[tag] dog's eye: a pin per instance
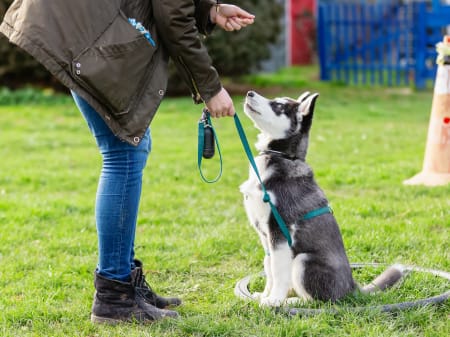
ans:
(278, 108)
(281, 108)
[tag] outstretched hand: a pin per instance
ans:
(230, 17)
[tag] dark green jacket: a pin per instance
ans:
(90, 46)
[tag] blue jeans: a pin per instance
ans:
(118, 195)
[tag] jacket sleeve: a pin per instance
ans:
(202, 8)
(179, 23)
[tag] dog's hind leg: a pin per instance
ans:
(298, 271)
(280, 266)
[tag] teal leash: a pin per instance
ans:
(248, 152)
(317, 212)
(201, 145)
(266, 197)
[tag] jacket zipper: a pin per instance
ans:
(196, 93)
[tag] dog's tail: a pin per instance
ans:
(386, 279)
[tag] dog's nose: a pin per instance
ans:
(251, 94)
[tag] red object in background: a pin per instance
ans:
(302, 31)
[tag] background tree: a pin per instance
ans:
(241, 52)
(17, 68)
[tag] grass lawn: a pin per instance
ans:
(194, 237)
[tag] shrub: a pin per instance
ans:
(239, 53)
(17, 68)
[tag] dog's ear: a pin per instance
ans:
(303, 96)
(305, 110)
(307, 103)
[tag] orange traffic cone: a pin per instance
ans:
(436, 164)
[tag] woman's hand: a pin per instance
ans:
(220, 105)
(230, 17)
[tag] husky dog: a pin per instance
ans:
(315, 266)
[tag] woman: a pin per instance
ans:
(113, 55)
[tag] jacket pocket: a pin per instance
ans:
(112, 72)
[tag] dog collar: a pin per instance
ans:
(278, 153)
(317, 212)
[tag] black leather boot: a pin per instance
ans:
(116, 302)
(143, 289)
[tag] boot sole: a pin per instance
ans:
(106, 320)
(114, 321)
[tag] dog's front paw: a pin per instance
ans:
(296, 301)
(271, 302)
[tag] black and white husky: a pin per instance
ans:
(315, 266)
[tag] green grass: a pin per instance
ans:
(194, 237)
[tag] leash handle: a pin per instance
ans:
(201, 145)
(266, 197)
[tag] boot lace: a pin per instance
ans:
(142, 287)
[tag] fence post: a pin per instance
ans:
(420, 44)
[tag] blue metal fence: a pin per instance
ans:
(388, 43)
